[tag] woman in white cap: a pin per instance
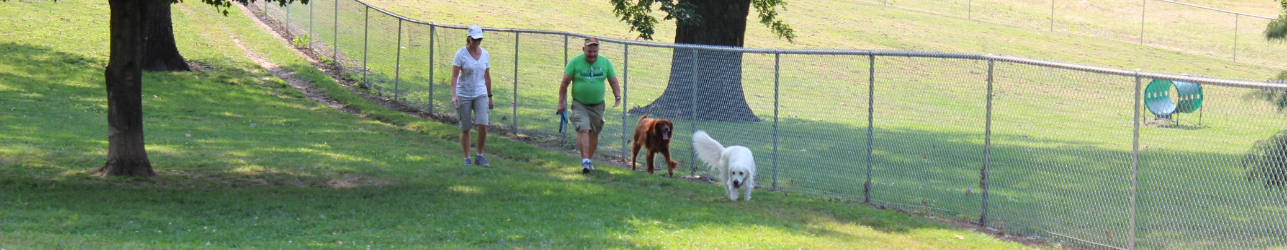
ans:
(471, 84)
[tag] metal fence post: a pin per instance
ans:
(397, 63)
(1235, 36)
(335, 36)
(987, 151)
(287, 24)
(1052, 15)
(1143, 8)
(777, 64)
(514, 125)
(1135, 163)
(692, 107)
(433, 34)
(310, 20)
(565, 103)
(969, 9)
(366, 29)
(625, 88)
(871, 100)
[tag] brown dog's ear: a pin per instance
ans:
(654, 128)
(662, 126)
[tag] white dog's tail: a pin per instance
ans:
(709, 150)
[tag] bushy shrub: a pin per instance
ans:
(1266, 163)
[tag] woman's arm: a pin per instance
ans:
(487, 79)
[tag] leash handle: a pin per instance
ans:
(563, 120)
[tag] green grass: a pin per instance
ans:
(1062, 140)
(244, 161)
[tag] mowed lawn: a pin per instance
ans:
(1061, 139)
(244, 161)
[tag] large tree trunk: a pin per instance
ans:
(125, 152)
(716, 74)
(160, 53)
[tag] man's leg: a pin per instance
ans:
(594, 145)
(583, 144)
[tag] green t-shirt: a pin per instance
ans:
(587, 79)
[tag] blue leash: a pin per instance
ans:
(563, 120)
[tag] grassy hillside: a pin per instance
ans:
(247, 162)
(1101, 33)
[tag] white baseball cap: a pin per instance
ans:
(475, 32)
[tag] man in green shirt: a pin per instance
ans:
(586, 74)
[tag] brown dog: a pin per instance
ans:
(653, 134)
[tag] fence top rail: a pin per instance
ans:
(1218, 10)
(889, 53)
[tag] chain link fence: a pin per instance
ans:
(1070, 152)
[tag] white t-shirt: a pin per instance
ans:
(471, 82)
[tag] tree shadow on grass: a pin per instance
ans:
(1077, 185)
(56, 128)
(201, 124)
(1062, 182)
(221, 123)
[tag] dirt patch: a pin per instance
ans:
(303, 86)
(351, 181)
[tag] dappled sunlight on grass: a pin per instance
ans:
(250, 170)
(466, 189)
(77, 172)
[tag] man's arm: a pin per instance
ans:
(563, 92)
(616, 90)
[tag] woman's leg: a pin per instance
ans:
(465, 113)
(482, 138)
(464, 142)
(481, 120)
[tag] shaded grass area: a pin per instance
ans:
(244, 161)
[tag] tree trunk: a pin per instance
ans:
(160, 53)
(717, 74)
(125, 152)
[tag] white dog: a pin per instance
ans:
(735, 164)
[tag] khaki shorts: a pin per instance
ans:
(587, 117)
(472, 111)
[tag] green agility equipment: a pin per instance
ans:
(1157, 97)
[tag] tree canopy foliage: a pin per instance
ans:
(639, 15)
(1277, 29)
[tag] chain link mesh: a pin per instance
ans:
(928, 139)
(540, 70)
(1061, 152)
(822, 123)
(1058, 143)
(1195, 193)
